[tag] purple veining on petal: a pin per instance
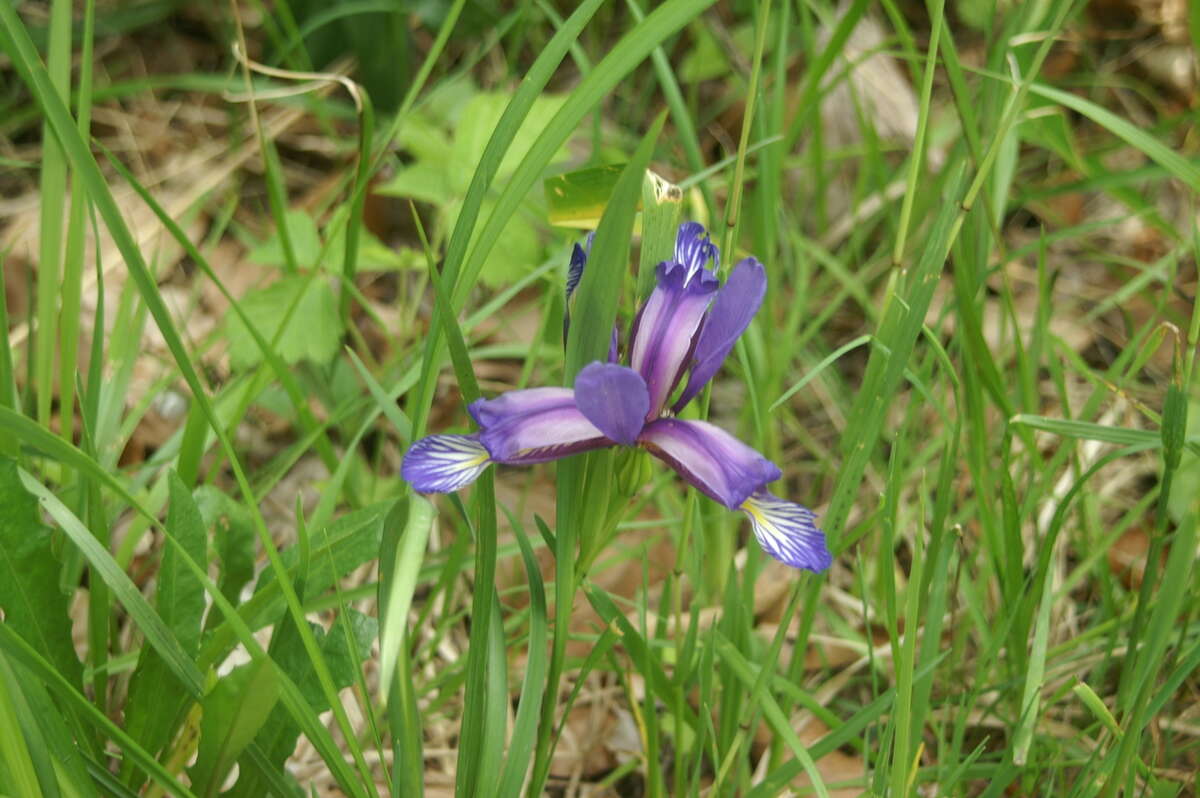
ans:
(731, 313)
(788, 532)
(614, 398)
(694, 248)
(534, 426)
(663, 333)
(579, 256)
(718, 464)
(444, 463)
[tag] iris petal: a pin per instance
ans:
(731, 313)
(534, 426)
(579, 256)
(665, 329)
(694, 249)
(788, 532)
(614, 398)
(444, 463)
(718, 464)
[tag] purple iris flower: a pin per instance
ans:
(687, 327)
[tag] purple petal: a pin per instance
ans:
(788, 532)
(718, 464)
(665, 328)
(534, 426)
(444, 463)
(730, 315)
(579, 256)
(614, 398)
(694, 249)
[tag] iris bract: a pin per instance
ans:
(685, 329)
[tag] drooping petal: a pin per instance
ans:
(444, 463)
(694, 248)
(665, 329)
(788, 532)
(614, 398)
(731, 312)
(718, 464)
(534, 426)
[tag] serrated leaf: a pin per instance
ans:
(233, 538)
(477, 123)
(314, 331)
(32, 604)
(234, 712)
(348, 542)
(373, 255)
(305, 241)
(156, 701)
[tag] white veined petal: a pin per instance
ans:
(788, 532)
(444, 463)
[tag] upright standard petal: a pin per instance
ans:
(694, 249)
(614, 399)
(788, 532)
(444, 463)
(534, 426)
(718, 464)
(665, 329)
(730, 315)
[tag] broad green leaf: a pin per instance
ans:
(424, 136)
(707, 59)
(278, 736)
(474, 127)
(156, 701)
(422, 181)
(233, 538)
(314, 331)
(48, 729)
(22, 752)
(373, 255)
(69, 695)
(578, 199)
(338, 549)
(156, 632)
(305, 241)
(517, 253)
(32, 604)
(234, 711)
